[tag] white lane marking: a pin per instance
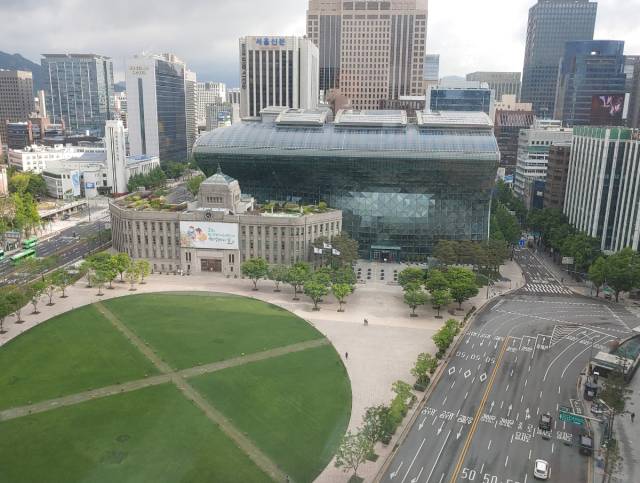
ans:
(560, 355)
(415, 480)
(413, 460)
(521, 398)
(525, 382)
(578, 355)
(444, 401)
(529, 454)
(506, 462)
(507, 388)
(540, 394)
(438, 457)
(558, 389)
(393, 474)
(552, 446)
(466, 394)
(482, 468)
(441, 426)
(489, 447)
(441, 478)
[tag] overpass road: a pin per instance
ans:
(521, 358)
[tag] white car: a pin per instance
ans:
(541, 470)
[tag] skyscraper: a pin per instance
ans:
(591, 83)
(209, 93)
(191, 108)
(277, 71)
(552, 23)
(372, 50)
(16, 99)
(114, 142)
(79, 91)
(156, 105)
(502, 83)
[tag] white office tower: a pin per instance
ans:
(191, 107)
(156, 105)
(114, 142)
(208, 93)
(278, 71)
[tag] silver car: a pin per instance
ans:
(541, 470)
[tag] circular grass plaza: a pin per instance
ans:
(171, 387)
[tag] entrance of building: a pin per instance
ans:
(384, 254)
(211, 265)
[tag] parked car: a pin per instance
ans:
(541, 470)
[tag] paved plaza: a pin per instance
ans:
(378, 354)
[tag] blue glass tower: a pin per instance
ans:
(591, 83)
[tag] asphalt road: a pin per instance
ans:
(69, 245)
(521, 358)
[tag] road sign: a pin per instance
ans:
(567, 260)
(569, 417)
(521, 243)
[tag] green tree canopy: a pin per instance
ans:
(411, 278)
(598, 273)
(298, 274)
(315, 291)
(440, 298)
(278, 274)
(193, 185)
(446, 252)
(353, 451)
(414, 297)
(255, 269)
(462, 284)
(340, 292)
(436, 280)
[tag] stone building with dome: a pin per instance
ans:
(218, 229)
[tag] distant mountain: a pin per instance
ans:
(17, 62)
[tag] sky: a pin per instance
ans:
(469, 35)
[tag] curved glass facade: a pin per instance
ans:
(404, 187)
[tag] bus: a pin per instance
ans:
(30, 242)
(18, 257)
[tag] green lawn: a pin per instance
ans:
(187, 330)
(150, 435)
(295, 407)
(73, 352)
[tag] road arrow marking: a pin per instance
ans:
(509, 411)
(440, 428)
(421, 424)
(526, 414)
(491, 407)
(459, 433)
(438, 457)
(393, 474)
(414, 480)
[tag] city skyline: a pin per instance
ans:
(122, 29)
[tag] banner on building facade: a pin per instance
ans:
(204, 234)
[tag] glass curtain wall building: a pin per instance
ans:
(552, 23)
(402, 187)
(79, 91)
(591, 84)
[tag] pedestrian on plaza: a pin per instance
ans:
(366, 322)
(633, 416)
(346, 355)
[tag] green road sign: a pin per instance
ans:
(569, 417)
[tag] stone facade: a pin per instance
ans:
(282, 238)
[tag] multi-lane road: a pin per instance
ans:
(521, 358)
(69, 245)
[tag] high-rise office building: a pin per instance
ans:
(507, 127)
(16, 99)
(120, 107)
(277, 71)
(79, 91)
(156, 105)
(209, 93)
(591, 84)
(603, 187)
(557, 174)
(533, 151)
(431, 70)
(233, 95)
(552, 23)
(502, 83)
(191, 108)
(634, 101)
(371, 50)
(116, 160)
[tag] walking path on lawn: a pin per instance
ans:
(380, 353)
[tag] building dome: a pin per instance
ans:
(219, 178)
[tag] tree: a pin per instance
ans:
(86, 270)
(615, 392)
(340, 292)
(344, 275)
(193, 185)
(462, 284)
(277, 274)
(62, 279)
(504, 225)
(613, 459)
(132, 275)
(323, 276)
(34, 293)
(297, 275)
(414, 297)
(154, 179)
(99, 279)
(255, 269)
(353, 451)
(144, 269)
(315, 291)
(5, 308)
(345, 246)
(621, 275)
(173, 170)
(411, 278)
(436, 281)
(26, 216)
(583, 248)
(50, 288)
(403, 391)
(17, 298)
(376, 423)
(445, 252)
(598, 273)
(121, 262)
(425, 366)
(439, 299)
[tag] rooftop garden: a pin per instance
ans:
(149, 201)
(291, 208)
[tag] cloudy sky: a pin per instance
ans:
(469, 35)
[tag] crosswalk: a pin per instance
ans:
(546, 289)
